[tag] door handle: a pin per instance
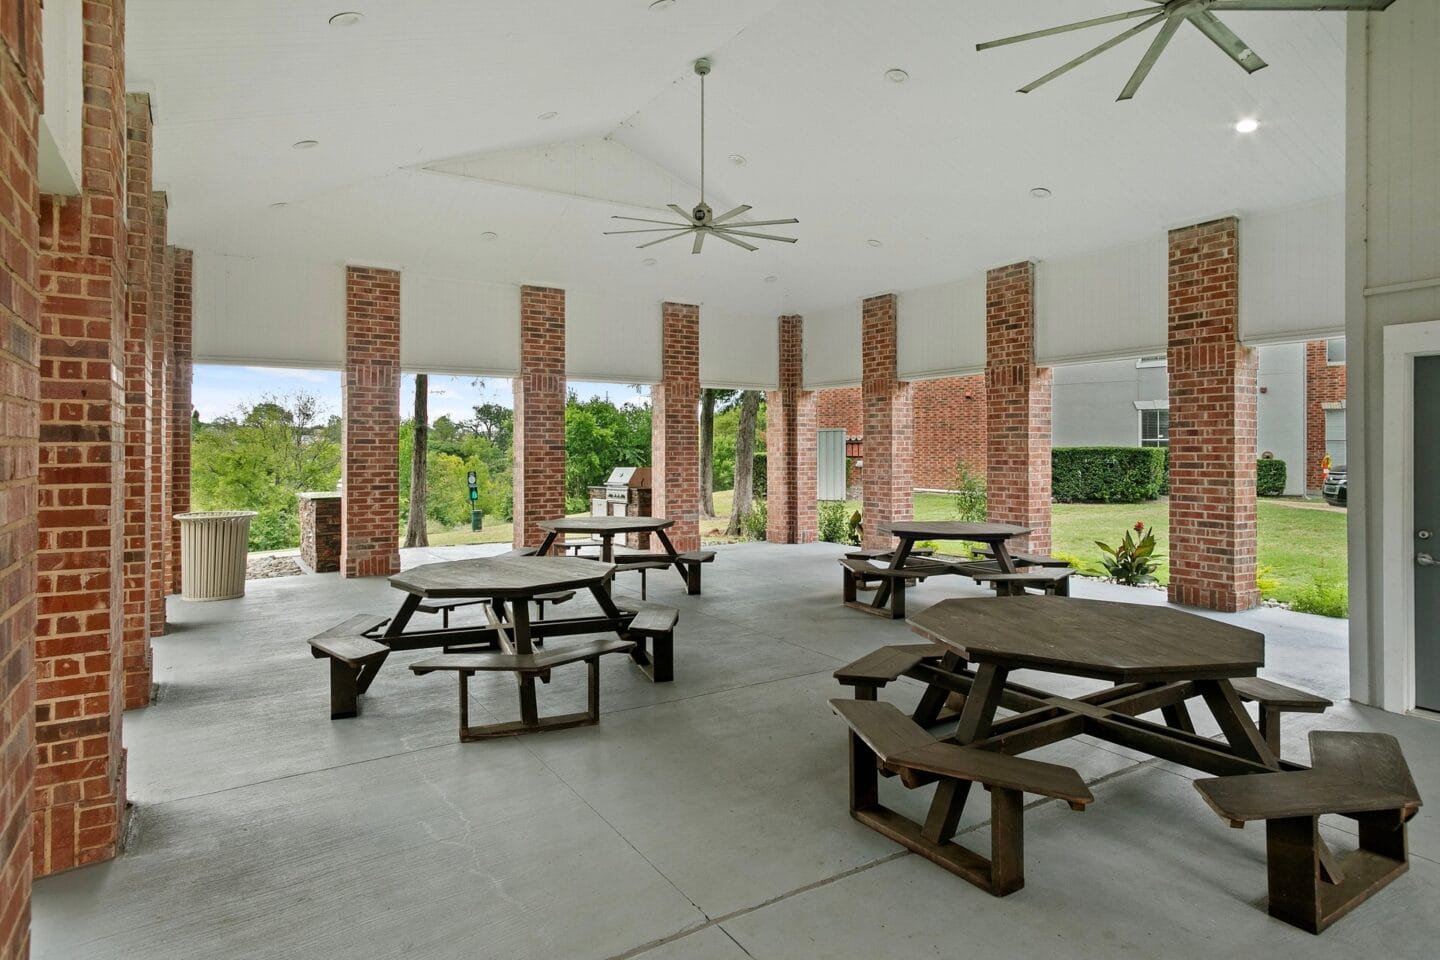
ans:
(1425, 560)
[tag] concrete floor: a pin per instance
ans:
(701, 820)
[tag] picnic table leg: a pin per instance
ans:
(975, 721)
(1235, 722)
(927, 713)
(897, 560)
(546, 544)
(607, 547)
(520, 617)
(674, 556)
(398, 624)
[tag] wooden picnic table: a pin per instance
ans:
(909, 532)
(606, 528)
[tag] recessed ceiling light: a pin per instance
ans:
(548, 115)
(896, 75)
(771, 279)
(306, 144)
(875, 243)
(489, 235)
(278, 204)
(661, 4)
(1040, 193)
(347, 19)
(1247, 125)
(648, 261)
(737, 159)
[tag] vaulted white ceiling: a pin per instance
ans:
(425, 112)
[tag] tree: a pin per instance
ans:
(707, 452)
(415, 535)
(495, 423)
(744, 461)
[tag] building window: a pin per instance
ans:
(1154, 428)
(1154, 360)
(1335, 351)
(1335, 437)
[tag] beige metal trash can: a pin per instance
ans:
(212, 554)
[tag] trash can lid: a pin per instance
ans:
(217, 515)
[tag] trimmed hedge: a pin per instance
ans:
(1107, 474)
(1270, 477)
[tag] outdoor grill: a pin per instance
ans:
(626, 493)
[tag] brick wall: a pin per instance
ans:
(139, 358)
(1017, 395)
(182, 271)
(889, 422)
(79, 791)
(675, 425)
(20, 91)
(161, 330)
(320, 531)
(540, 413)
(1212, 423)
(370, 520)
(790, 444)
(840, 408)
(1324, 384)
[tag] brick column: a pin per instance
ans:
(539, 414)
(182, 263)
(20, 78)
(675, 425)
(889, 422)
(161, 334)
(1017, 397)
(370, 520)
(1324, 390)
(139, 357)
(79, 795)
(790, 444)
(1212, 423)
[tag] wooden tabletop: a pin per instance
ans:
(604, 524)
(1092, 638)
(502, 577)
(953, 530)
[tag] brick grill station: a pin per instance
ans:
(320, 515)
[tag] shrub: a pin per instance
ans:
(833, 524)
(1131, 563)
(573, 505)
(972, 501)
(1270, 477)
(755, 521)
(1107, 474)
(1079, 564)
(1326, 596)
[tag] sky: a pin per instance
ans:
(219, 390)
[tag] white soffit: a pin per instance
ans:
(942, 330)
(1110, 305)
(1292, 272)
(611, 339)
(832, 347)
(739, 351)
(459, 326)
(62, 123)
(282, 313)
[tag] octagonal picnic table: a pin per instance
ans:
(908, 532)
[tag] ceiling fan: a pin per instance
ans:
(1171, 16)
(702, 221)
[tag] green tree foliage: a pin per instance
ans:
(260, 457)
(481, 444)
(599, 437)
(727, 428)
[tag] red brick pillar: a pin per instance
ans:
(20, 78)
(370, 522)
(790, 444)
(675, 425)
(1017, 397)
(161, 333)
(889, 422)
(79, 795)
(1324, 390)
(182, 272)
(540, 414)
(1212, 423)
(139, 357)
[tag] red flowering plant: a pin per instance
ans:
(1133, 561)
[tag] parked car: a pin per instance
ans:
(1334, 490)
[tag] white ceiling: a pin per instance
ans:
(939, 168)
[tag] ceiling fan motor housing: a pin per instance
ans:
(702, 213)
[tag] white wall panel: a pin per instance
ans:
(942, 330)
(611, 338)
(459, 327)
(1103, 306)
(278, 312)
(1292, 273)
(739, 351)
(832, 347)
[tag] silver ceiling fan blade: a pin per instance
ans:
(684, 213)
(1225, 38)
(644, 220)
(1300, 4)
(699, 241)
(762, 223)
(733, 213)
(1093, 53)
(732, 232)
(1080, 25)
(672, 236)
(739, 243)
(615, 233)
(1147, 62)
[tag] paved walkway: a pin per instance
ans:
(701, 820)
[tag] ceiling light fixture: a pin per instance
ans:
(896, 75)
(648, 261)
(702, 220)
(1171, 15)
(489, 235)
(771, 279)
(1040, 193)
(661, 4)
(738, 160)
(1247, 125)
(548, 115)
(349, 18)
(278, 204)
(875, 243)
(306, 144)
